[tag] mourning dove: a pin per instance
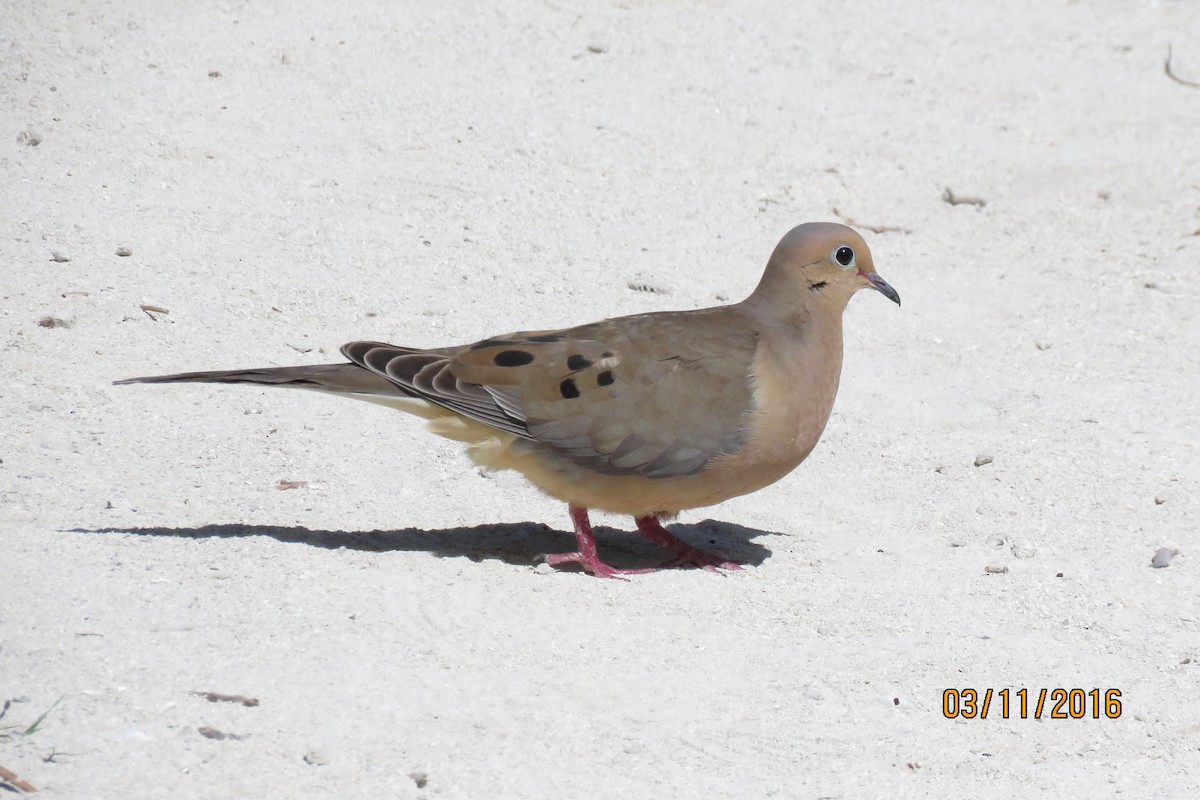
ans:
(644, 415)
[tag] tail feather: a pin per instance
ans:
(339, 378)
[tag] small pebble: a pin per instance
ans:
(995, 570)
(124, 252)
(1162, 557)
(59, 257)
(420, 779)
(316, 757)
(29, 137)
(980, 460)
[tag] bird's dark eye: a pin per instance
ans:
(844, 256)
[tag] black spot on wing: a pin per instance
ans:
(512, 358)
(577, 362)
(568, 389)
(605, 378)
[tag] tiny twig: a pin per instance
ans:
(152, 310)
(962, 200)
(1171, 73)
(872, 228)
(11, 779)
(217, 697)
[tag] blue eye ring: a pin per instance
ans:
(843, 256)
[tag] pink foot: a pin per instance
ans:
(593, 565)
(685, 554)
(587, 556)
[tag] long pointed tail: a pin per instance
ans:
(339, 378)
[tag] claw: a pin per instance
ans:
(593, 565)
(685, 554)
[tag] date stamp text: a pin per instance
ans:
(1032, 703)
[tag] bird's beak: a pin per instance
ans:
(883, 286)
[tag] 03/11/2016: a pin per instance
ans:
(1026, 703)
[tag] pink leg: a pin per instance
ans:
(684, 552)
(587, 556)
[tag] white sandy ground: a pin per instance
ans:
(435, 175)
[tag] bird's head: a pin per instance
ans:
(820, 264)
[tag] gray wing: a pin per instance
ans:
(654, 395)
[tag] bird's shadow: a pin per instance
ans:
(520, 543)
